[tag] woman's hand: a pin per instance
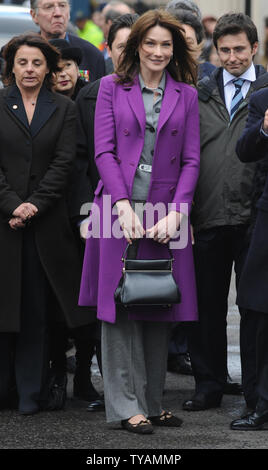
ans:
(84, 228)
(16, 222)
(129, 221)
(25, 211)
(166, 228)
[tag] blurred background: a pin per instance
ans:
(87, 18)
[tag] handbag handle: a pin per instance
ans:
(128, 245)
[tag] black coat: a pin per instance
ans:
(86, 173)
(92, 59)
(253, 146)
(35, 164)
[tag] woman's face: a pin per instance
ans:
(30, 68)
(67, 76)
(155, 50)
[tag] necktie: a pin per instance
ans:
(238, 97)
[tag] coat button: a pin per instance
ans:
(173, 159)
(174, 132)
(126, 132)
(172, 188)
(157, 110)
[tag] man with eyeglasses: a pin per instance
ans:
(52, 17)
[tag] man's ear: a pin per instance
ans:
(34, 16)
(255, 48)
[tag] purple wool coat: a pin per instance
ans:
(119, 139)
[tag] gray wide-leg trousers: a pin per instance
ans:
(134, 361)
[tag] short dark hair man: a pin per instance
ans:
(221, 212)
(52, 16)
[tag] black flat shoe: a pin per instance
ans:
(253, 422)
(166, 419)
(96, 405)
(200, 402)
(143, 427)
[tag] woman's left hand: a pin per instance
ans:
(166, 228)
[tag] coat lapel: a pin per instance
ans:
(45, 107)
(136, 102)
(170, 100)
(15, 105)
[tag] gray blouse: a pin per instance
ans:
(152, 99)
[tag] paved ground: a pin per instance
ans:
(75, 428)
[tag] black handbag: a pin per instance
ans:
(147, 283)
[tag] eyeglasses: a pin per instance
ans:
(51, 7)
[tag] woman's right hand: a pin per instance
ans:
(25, 211)
(129, 221)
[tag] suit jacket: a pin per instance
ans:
(119, 140)
(35, 164)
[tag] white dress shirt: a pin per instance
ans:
(229, 88)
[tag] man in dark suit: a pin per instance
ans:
(52, 17)
(221, 212)
(252, 293)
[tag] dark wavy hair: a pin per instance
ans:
(182, 67)
(50, 53)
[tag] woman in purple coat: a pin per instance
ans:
(146, 150)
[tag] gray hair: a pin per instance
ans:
(185, 5)
(34, 4)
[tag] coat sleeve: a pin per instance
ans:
(107, 161)
(9, 200)
(190, 156)
(252, 145)
(55, 180)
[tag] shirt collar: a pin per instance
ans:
(249, 75)
(161, 85)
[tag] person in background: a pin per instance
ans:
(194, 34)
(52, 17)
(151, 97)
(187, 5)
(178, 357)
(88, 30)
(221, 213)
(40, 264)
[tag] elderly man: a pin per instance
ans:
(52, 17)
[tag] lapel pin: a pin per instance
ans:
(15, 106)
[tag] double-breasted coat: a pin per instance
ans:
(119, 139)
(35, 163)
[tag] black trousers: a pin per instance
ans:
(216, 251)
(262, 354)
(23, 355)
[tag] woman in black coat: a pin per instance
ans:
(39, 257)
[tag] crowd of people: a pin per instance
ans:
(92, 142)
